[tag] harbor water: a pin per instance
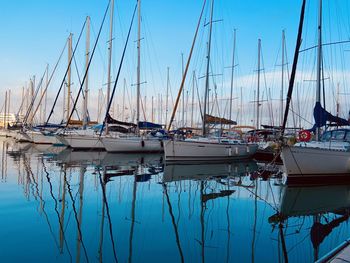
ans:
(58, 205)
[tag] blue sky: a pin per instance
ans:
(33, 33)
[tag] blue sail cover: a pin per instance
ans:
(149, 125)
(321, 117)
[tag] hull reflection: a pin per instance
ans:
(178, 172)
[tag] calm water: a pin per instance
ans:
(63, 206)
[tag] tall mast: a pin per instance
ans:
(167, 97)
(258, 89)
(110, 56)
(319, 62)
(5, 109)
(232, 71)
(183, 93)
(31, 99)
(152, 110)
(23, 99)
(45, 100)
(282, 79)
(138, 64)
(87, 58)
(192, 103)
(9, 103)
(69, 76)
(124, 86)
(207, 73)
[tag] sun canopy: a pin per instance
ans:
(217, 120)
(149, 125)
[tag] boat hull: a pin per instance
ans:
(40, 138)
(82, 142)
(204, 151)
(22, 137)
(133, 145)
(306, 162)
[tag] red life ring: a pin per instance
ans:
(304, 136)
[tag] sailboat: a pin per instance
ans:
(134, 142)
(87, 137)
(211, 148)
(328, 156)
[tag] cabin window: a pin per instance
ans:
(326, 136)
(347, 136)
(338, 135)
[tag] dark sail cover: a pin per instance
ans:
(149, 125)
(110, 120)
(321, 117)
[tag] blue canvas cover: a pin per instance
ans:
(321, 117)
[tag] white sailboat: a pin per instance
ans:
(39, 137)
(137, 142)
(328, 157)
(205, 148)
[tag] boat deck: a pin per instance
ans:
(340, 254)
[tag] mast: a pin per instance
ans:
(167, 97)
(192, 103)
(5, 109)
(319, 64)
(241, 106)
(232, 71)
(207, 73)
(138, 65)
(258, 89)
(110, 56)
(31, 114)
(87, 58)
(23, 99)
(9, 104)
(152, 111)
(124, 86)
(183, 93)
(69, 77)
(282, 79)
(294, 67)
(45, 100)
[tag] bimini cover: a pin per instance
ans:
(321, 117)
(218, 120)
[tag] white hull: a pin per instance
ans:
(77, 141)
(3, 133)
(11, 133)
(132, 144)
(211, 151)
(39, 138)
(22, 137)
(306, 161)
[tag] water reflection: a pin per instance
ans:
(327, 207)
(95, 206)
